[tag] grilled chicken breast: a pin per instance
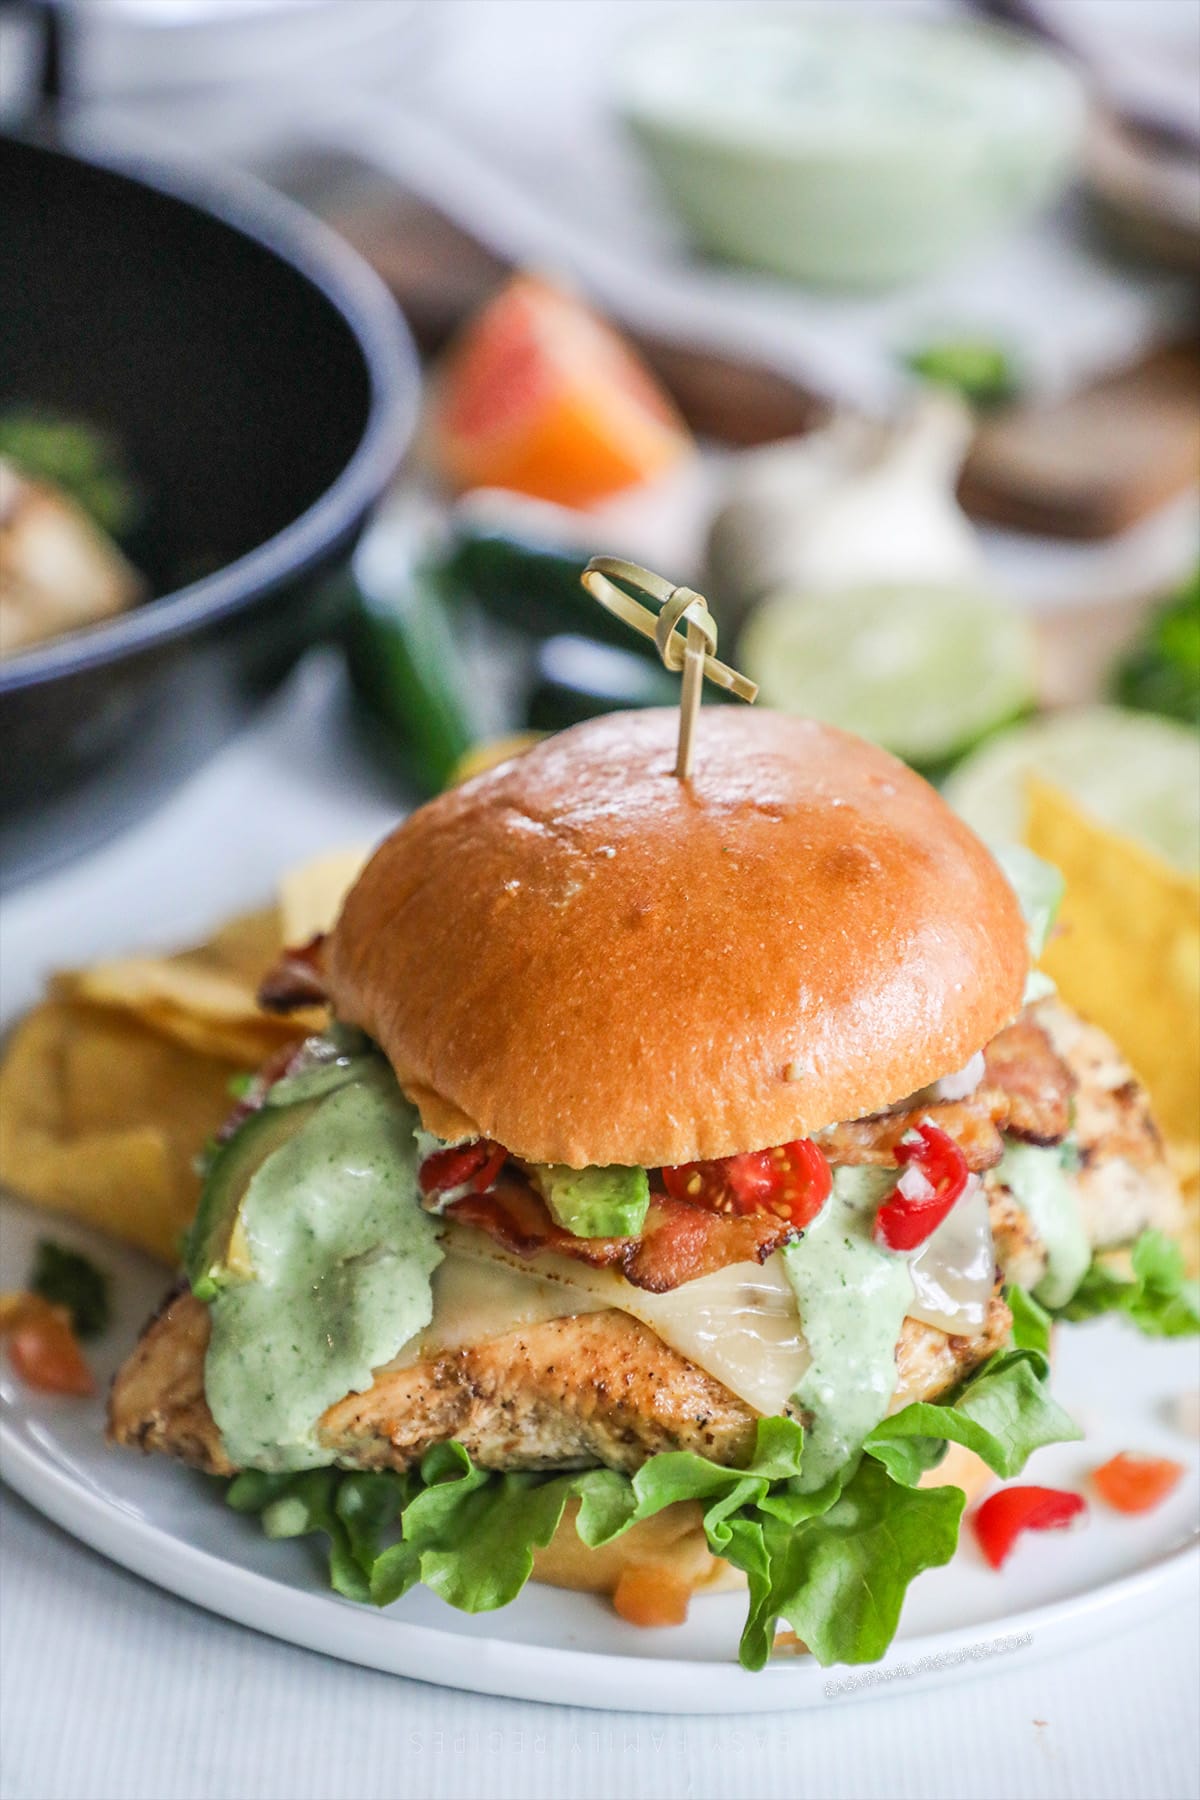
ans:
(568, 1393)
(1124, 1181)
(603, 1388)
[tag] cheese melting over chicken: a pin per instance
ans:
(739, 1324)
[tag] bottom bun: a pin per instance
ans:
(672, 1543)
(959, 1468)
(671, 1548)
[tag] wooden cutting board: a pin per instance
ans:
(1095, 462)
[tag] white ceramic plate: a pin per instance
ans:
(170, 1526)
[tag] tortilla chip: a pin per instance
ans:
(1126, 953)
(205, 998)
(120, 1182)
(243, 947)
(100, 1117)
(310, 898)
(110, 1089)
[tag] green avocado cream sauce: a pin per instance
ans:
(342, 1255)
(852, 1296)
(1038, 1181)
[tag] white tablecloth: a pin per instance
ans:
(114, 1691)
(110, 1690)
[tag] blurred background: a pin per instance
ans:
(874, 322)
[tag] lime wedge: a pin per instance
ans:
(924, 671)
(1133, 773)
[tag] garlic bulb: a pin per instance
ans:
(860, 502)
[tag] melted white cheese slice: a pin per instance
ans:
(954, 1271)
(475, 1299)
(739, 1324)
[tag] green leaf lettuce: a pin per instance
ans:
(835, 1563)
(1155, 1296)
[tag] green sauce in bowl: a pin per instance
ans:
(847, 149)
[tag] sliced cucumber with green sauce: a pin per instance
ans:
(212, 1257)
(1134, 773)
(925, 671)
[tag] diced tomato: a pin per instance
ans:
(1004, 1516)
(916, 1207)
(648, 1594)
(45, 1353)
(473, 1166)
(792, 1181)
(1135, 1484)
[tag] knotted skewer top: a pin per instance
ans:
(692, 649)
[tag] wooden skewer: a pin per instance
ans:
(691, 650)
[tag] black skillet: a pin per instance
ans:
(263, 386)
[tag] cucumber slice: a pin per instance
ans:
(925, 671)
(210, 1260)
(578, 678)
(407, 670)
(1134, 773)
(524, 584)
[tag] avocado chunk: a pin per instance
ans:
(215, 1253)
(592, 1203)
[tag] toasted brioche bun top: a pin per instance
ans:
(590, 961)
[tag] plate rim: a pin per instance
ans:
(500, 1667)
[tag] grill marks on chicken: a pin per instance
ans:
(930, 1362)
(157, 1400)
(567, 1393)
(1124, 1180)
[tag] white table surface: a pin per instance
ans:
(110, 1690)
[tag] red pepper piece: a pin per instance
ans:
(904, 1221)
(1004, 1516)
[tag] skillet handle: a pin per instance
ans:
(37, 105)
(52, 77)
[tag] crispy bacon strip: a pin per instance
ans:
(678, 1243)
(1026, 1090)
(297, 979)
(1024, 1066)
(974, 1124)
